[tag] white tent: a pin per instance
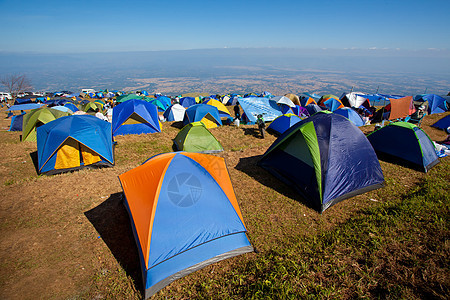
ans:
(174, 113)
(283, 100)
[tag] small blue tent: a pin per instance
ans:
(74, 142)
(283, 123)
(443, 123)
(333, 104)
(16, 123)
(436, 104)
(135, 117)
(407, 142)
(313, 108)
(22, 101)
(71, 106)
(165, 100)
(350, 114)
(207, 114)
(187, 101)
(326, 158)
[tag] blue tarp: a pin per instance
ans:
(443, 123)
(252, 106)
(25, 106)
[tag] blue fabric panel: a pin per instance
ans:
(71, 106)
(187, 101)
(282, 123)
(352, 162)
(313, 108)
(25, 106)
(192, 210)
(397, 141)
(165, 100)
(350, 114)
(16, 123)
(168, 114)
(135, 129)
(332, 104)
(194, 256)
(443, 123)
(428, 151)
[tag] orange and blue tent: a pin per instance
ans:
(184, 216)
(307, 100)
(331, 102)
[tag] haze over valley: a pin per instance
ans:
(238, 70)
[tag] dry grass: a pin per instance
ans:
(69, 236)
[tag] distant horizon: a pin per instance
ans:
(251, 69)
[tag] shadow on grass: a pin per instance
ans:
(252, 131)
(249, 166)
(399, 161)
(112, 222)
(34, 159)
(177, 124)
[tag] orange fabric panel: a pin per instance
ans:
(401, 108)
(141, 186)
(216, 167)
(68, 155)
(310, 100)
(89, 156)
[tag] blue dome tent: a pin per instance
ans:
(350, 114)
(135, 117)
(74, 142)
(283, 123)
(187, 101)
(207, 114)
(405, 141)
(325, 158)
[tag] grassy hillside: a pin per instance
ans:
(69, 236)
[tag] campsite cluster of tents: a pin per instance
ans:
(320, 152)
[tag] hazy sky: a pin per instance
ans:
(55, 26)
